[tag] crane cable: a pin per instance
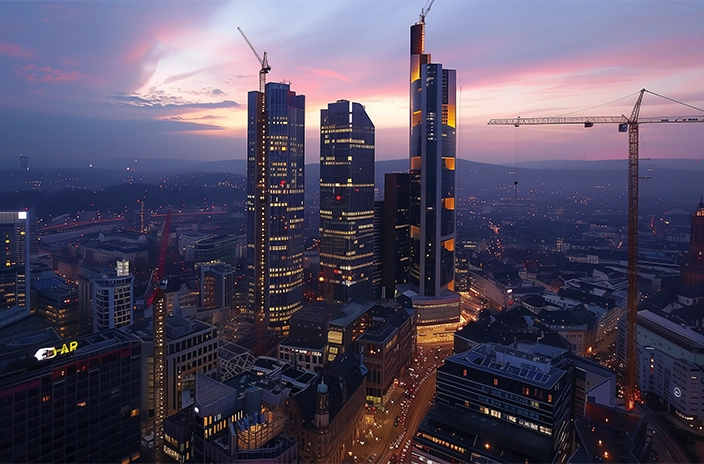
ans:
(674, 101)
(599, 106)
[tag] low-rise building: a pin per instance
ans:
(326, 417)
(499, 404)
(192, 347)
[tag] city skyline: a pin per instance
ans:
(105, 80)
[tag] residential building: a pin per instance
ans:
(112, 299)
(346, 202)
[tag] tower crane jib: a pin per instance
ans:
(263, 62)
(425, 10)
(631, 126)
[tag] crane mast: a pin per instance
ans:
(157, 299)
(260, 204)
(631, 125)
(264, 62)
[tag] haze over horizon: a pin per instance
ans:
(91, 80)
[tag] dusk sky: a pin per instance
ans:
(169, 79)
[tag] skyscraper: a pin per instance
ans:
(346, 201)
(275, 168)
(431, 276)
(432, 158)
(693, 270)
(16, 232)
(395, 233)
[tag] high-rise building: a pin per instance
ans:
(395, 234)
(113, 297)
(275, 177)
(432, 167)
(75, 400)
(693, 270)
(378, 257)
(16, 233)
(191, 346)
(346, 201)
(217, 286)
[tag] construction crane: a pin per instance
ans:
(631, 125)
(260, 281)
(425, 10)
(157, 301)
(264, 62)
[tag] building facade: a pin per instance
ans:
(693, 270)
(346, 202)
(191, 347)
(498, 404)
(670, 365)
(395, 244)
(71, 400)
(326, 417)
(16, 233)
(112, 301)
(432, 171)
(275, 177)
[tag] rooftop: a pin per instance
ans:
(351, 311)
(529, 363)
(678, 334)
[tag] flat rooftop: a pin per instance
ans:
(351, 311)
(674, 332)
(528, 363)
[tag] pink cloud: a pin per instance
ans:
(11, 49)
(326, 73)
(34, 73)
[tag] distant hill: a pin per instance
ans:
(683, 164)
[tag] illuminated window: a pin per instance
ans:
(496, 381)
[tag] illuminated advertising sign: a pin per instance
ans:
(43, 354)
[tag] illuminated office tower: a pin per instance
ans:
(346, 202)
(16, 233)
(275, 168)
(432, 159)
(113, 296)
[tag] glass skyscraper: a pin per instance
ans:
(432, 168)
(275, 168)
(346, 202)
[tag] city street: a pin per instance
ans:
(668, 446)
(411, 396)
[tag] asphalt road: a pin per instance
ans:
(667, 446)
(380, 438)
